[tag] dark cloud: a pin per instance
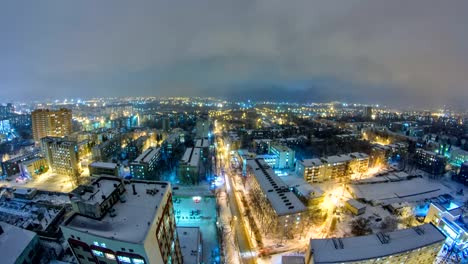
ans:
(395, 52)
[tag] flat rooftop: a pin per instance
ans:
(202, 143)
(147, 155)
(132, 217)
(280, 147)
(106, 165)
(189, 238)
(191, 157)
(282, 200)
(336, 250)
(333, 159)
(13, 240)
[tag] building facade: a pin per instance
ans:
(430, 162)
(278, 210)
(104, 168)
(284, 156)
(145, 166)
(117, 221)
(62, 155)
(415, 245)
(332, 167)
(188, 170)
(51, 123)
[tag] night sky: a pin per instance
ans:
(389, 52)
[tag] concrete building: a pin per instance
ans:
(117, 221)
(188, 170)
(463, 173)
(107, 149)
(430, 162)
(18, 246)
(62, 155)
(145, 166)
(367, 113)
(284, 156)
(278, 210)
(51, 123)
(355, 207)
(448, 217)
(137, 146)
(332, 167)
(204, 145)
(166, 124)
(35, 166)
(12, 166)
(98, 168)
(203, 128)
(458, 156)
(191, 244)
(413, 245)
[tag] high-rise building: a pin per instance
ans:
(367, 112)
(62, 155)
(117, 221)
(166, 124)
(51, 123)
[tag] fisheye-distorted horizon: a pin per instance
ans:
(390, 52)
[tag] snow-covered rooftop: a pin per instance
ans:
(333, 159)
(106, 165)
(133, 217)
(202, 143)
(351, 249)
(189, 238)
(282, 200)
(147, 155)
(13, 241)
(191, 156)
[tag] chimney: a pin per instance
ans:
(134, 190)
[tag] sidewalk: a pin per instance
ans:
(231, 252)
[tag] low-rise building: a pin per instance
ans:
(448, 217)
(104, 168)
(31, 161)
(145, 166)
(419, 244)
(117, 221)
(355, 207)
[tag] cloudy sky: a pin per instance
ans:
(388, 52)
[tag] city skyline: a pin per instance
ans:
(393, 53)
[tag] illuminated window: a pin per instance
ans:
(110, 256)
(97, 253)
(124, 259)
(138, 261)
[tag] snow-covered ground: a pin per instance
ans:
(48, 181)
